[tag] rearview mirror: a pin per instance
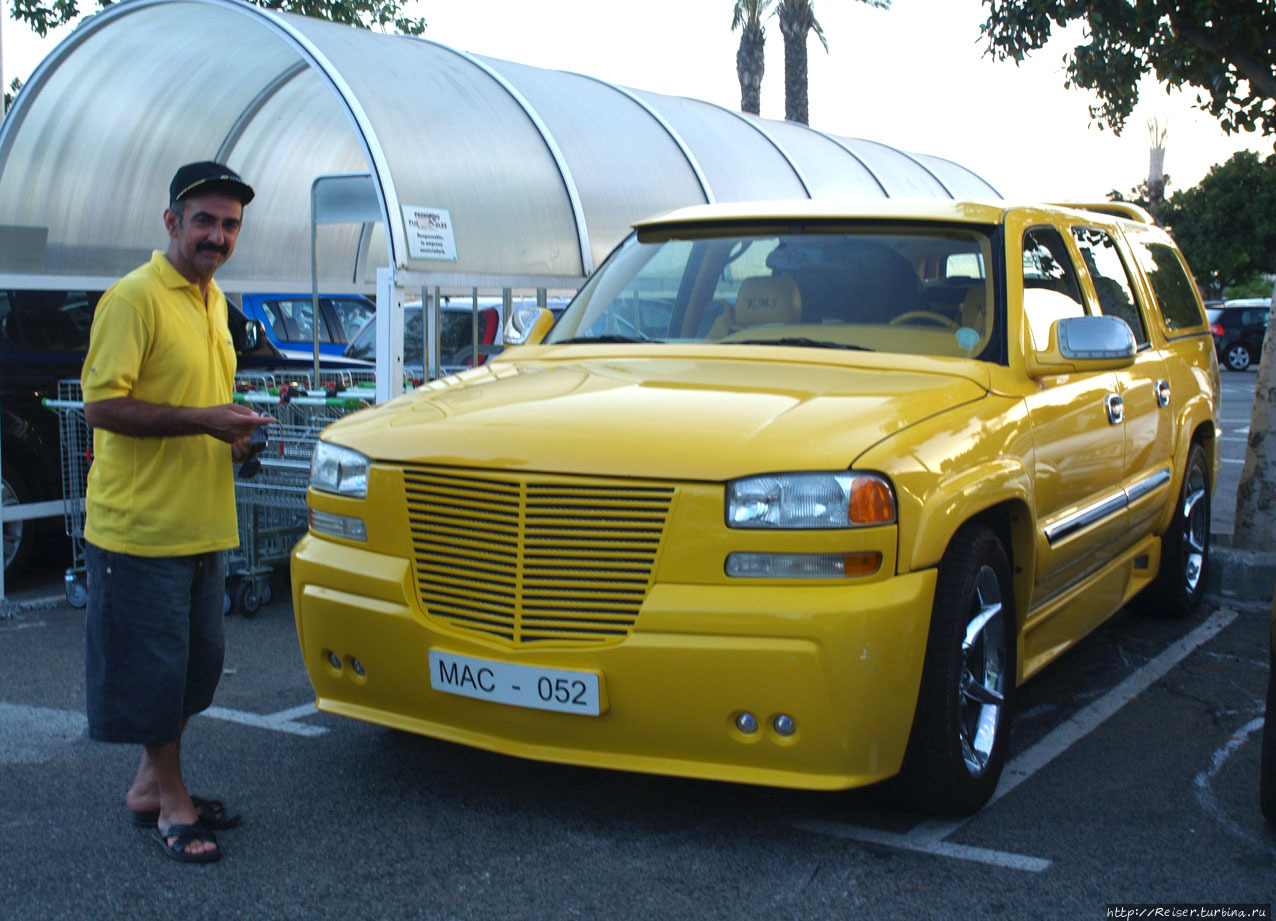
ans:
(527, 325)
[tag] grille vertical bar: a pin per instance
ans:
(530, 559)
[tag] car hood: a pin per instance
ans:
(665, 418)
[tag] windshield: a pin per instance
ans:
(917, 290)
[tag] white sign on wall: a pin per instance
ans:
(429, 232)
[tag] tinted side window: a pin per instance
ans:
(1111, 280)
(1050, 289)
(352, 313)
(1173, 287)
(297, 318)
(44, 321)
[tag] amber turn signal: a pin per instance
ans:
(871, 501)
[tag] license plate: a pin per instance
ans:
(564, 690)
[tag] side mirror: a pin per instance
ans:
(527, 325)
(248, 336)
(1084, 344)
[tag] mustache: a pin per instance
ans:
(214, 248)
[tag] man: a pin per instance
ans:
(158, 383)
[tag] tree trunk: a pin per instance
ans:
(795, 97)
(1255, 525)
(750, 64)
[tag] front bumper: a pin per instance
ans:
(843, 661)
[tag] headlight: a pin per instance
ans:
(810, 500)
(340, 470)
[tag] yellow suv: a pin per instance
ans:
(792, 493)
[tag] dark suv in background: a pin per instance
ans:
(43, 338)
(1238, 327)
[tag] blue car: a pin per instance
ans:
(288, 320)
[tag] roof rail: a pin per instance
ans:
(1125, 209)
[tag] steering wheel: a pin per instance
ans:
(929, 315)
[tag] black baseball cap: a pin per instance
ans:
(208, 176)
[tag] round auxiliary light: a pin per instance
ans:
(357, 666)
(784, 725)
(334, 660)
(746, 723)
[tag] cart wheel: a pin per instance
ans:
(266, 594)
(247, 601)
(225, 603)
(77, 593)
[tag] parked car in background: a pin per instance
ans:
(43, 338)
(793, 493)
(456, 336)
(1239, 327)
(288, 320)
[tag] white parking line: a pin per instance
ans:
(929, 837)
(283, 721)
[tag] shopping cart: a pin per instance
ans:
(271, 505)
(77, 454)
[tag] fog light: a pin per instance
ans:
(334, 660)
(746, 723)
(338, 525)
(802, 565)
(784, 725)
(357, 666)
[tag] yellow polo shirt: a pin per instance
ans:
(154, 340)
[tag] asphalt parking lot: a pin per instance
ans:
(1133, 779)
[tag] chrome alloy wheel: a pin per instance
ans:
(1196, 511)
(983, 674)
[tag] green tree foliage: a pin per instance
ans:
(387, 15)
(1226, 225)
(797, 20)
(750, 61)
(1222, 48)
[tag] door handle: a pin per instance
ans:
(1116, 408)
(1163, 393)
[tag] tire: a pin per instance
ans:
(1237, 356)
(961, 728)
(77, 593)
(19, 536)
(247, 601)
(1185, 549)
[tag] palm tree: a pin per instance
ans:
(750, 62)
(797, 18)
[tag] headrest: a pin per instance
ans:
(767, 299)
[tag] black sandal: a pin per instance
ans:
(184, 835)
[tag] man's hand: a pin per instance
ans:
(229, 422)
(233, 422)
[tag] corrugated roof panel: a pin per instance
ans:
(622, 160)
(962, 182)
(830, 170)
(739, 162)
(902, 175)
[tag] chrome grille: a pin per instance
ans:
(533, 559)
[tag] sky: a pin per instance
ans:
(914, 76)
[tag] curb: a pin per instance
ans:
(1235, 575)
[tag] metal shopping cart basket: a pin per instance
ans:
(271, 504)
(77, 454)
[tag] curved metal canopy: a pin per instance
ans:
(537, 173)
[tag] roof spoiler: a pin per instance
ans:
(1125, 209)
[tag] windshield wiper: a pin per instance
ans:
(582, 340)
(800, 341)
